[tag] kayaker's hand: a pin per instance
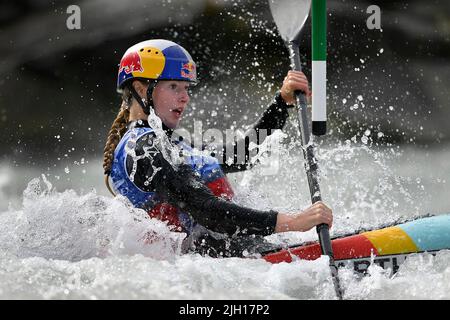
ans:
(316, 214)
(295, 80)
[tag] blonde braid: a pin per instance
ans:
(117, 131)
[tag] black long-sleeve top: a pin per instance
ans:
(183, 188)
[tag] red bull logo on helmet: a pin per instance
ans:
(188, 71)
(131, 63)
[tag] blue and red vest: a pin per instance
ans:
(207, 167)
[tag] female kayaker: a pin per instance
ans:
(177, 183)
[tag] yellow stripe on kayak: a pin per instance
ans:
(391, 240)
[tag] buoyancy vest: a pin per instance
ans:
(206, 167)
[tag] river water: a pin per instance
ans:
(63, 237)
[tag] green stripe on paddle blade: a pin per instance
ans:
(319, 30)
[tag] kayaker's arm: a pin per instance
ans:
(272, 119)
(181, 187)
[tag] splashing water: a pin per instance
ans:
(74, 227)
(84, 245)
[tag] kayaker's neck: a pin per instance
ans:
(138, 118)
(136, 112)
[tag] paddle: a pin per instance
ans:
(290, 16)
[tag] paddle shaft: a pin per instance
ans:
(311, 166)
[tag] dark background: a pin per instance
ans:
(57, 86)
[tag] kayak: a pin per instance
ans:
(387, 247)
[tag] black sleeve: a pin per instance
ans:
(272, 119)
(183, 188)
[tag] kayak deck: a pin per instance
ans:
(428, 234)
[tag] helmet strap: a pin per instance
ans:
(144, 103)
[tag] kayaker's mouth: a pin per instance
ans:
(178, 111)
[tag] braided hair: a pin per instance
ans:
(116, 133)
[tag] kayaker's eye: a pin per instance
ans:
(173, 86)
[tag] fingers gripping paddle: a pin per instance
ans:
(290, 16)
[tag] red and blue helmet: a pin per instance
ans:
(158, 60)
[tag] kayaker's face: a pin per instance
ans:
(170, 99)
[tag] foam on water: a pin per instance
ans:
(67, 244)
(65, 225)
(140, 277)
(421, 276)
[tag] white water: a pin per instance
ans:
(63, 237)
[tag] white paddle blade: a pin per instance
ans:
(289, 16)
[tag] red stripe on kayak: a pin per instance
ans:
(308, 252)
(352, 247)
